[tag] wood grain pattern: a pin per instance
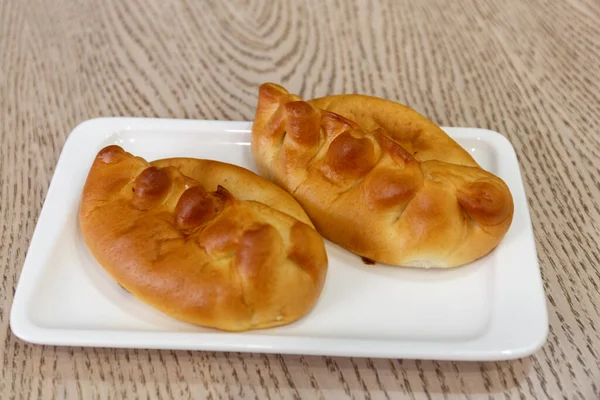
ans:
(528, 69)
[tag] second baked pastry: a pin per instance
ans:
(383, 182)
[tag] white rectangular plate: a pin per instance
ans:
(488, 310)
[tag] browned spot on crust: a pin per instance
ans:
(385, 190)
(111, 154)
(485, 202)
(255, 252)
(150, 187)
(368, 261)
(196, 206)
(349, 157)
(302, 123)
(271, 92)
(222, 235)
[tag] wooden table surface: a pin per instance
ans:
(528, 69)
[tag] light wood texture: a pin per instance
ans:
(528, 69)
